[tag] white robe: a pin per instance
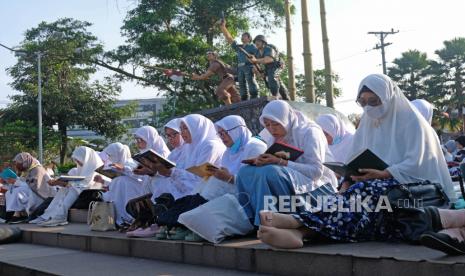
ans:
(307, 172)
(401, 137)
(20, 197)
(205, 147)
(66, 196)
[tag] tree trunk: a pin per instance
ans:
(64, 142)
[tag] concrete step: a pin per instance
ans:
(247, 254)
(77, 215)
(29, 259)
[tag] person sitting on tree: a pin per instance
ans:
(226, 90)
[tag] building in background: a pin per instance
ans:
(146, 114)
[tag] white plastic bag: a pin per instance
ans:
(217, 219)
(213, 188)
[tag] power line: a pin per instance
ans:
(382, 35)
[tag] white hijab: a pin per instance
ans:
(401, 138)
(340, 132)
(205, 145)
(90, 162)
(176, 153)
(154, 141)
(425, 108)
(118, 153)
(249, 147)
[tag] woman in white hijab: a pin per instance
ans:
(87, 161)
(123, 188)
(425, 108)
(338, 135)
(393, 131)
(201, 146)
(240, 146)
(147, 138)
(273, 176)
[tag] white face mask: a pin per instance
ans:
(374, 112)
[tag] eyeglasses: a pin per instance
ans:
(223, 133)
(171, 136)
(139, 140)
(372, 101)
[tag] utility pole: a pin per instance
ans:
(290, 58)
(382, 35)
(328, 71)
(309, 80)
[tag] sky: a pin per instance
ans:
(422, 25)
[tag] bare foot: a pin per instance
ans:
(281, 238)
(283, 221)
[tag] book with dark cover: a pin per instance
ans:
(366, 160)
(67, 178)
(285, 151)
(109, 172)
(149, 157)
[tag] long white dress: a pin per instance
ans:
(124, 188)
(20, 197)
(66, 196)
(205, 147)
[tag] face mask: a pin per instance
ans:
(336, 140)
(236, 146)
(374, 112)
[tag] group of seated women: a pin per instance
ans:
(394, 129)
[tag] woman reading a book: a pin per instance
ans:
(125, 187)
(275, 176)
(406, 142)
(24, 198)
(87, 161)
(240, 145)
(338, 135)
(202, 145)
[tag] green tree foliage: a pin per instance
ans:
(320, 87)
(409, 73)
(176, 34)
(69, 98)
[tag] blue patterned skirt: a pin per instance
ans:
(357, 224)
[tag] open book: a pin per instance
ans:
(149, 157)
(366, 160)
(205, 170)
(109, 172)
(68, 178)
(281, 150)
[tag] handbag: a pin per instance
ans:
(101, 216)
(415, 207)
(415, 195)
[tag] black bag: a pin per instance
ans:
(181, 205)
(417, 195)
(41, 208)
(86, 197)
(415, 208)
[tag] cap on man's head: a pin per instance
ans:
(8, 173)
(261, 38)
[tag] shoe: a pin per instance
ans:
(147, 232)
(15, 220)
(443, 242)
(54, 222)
(179, 234)
(162, 233)
(37, 220)
(193, 237)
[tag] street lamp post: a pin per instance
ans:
(21, 53)
(39, 107)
